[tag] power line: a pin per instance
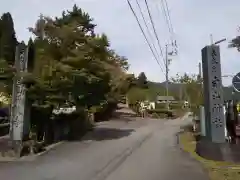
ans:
(165, 4)
(165, 8)
(149, 33)
(144, 34)
(165, 17)
(169, 18)
(154, 30)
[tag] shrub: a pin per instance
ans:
(160, 106)
(105, 111)
(176, 106)
(160, 112)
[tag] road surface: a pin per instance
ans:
(116, 150)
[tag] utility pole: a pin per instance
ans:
(167, 62)
(167, 70)
(200, 74)
(211, 38)
(200, 70)
(41, 26)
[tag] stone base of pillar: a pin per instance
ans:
(17, 147)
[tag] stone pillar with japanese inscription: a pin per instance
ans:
(18, 106)
(213, 94)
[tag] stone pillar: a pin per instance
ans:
(202, 121)
(213, 95)
(18, 105)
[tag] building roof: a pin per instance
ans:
(165, 98)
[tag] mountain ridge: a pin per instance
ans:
(176, 88)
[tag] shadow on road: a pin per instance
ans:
(123, 116)
(218, 151)
(101, 134)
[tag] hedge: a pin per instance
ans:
(176, 106)
(160, 106)
(166, 112)
(171, 105)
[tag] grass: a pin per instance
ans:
(217, 170)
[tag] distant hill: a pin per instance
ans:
(176, 88)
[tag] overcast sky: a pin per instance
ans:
(193, 22)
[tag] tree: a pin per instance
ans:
(8, 40)
(193, 88)
(6, 75)
(69, 65)
(142, 80)
(31, 54)
(72, 61)
(235, 43)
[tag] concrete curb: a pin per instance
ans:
(179, 145)
(31, 157)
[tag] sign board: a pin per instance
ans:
(236, 82)
(213, 95)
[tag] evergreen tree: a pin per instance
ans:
(31, 55)
(8, 39)
(142, 80)
(235, 43)
(77, 66)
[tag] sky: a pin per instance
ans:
(193, 21)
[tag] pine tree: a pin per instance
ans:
(235, 43)
(8, 39)
(31, 55)
(142, 80)
(73, 65)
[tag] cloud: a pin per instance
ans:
(193, 22)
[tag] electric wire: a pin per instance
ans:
(154, 30)
(135, 15)
(147, 27)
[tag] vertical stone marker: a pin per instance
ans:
(213, 95)
(17, 117)
(202, 121)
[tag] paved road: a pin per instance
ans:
(116, 150)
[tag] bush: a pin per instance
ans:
(134, 107)
(176, 106)
(160, 106)
(105, 112)
(161, 112)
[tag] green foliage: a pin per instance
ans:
(176, 105)
(193, 87)
(235, 43)
(160, 89)
(140, 89)
(160, 105)
(6, 75)
(7, 39)
(142, 80)
(172, 106)
(69, 64)
(31, 54)
(136, 94)
(161, 112)
(72, 64)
